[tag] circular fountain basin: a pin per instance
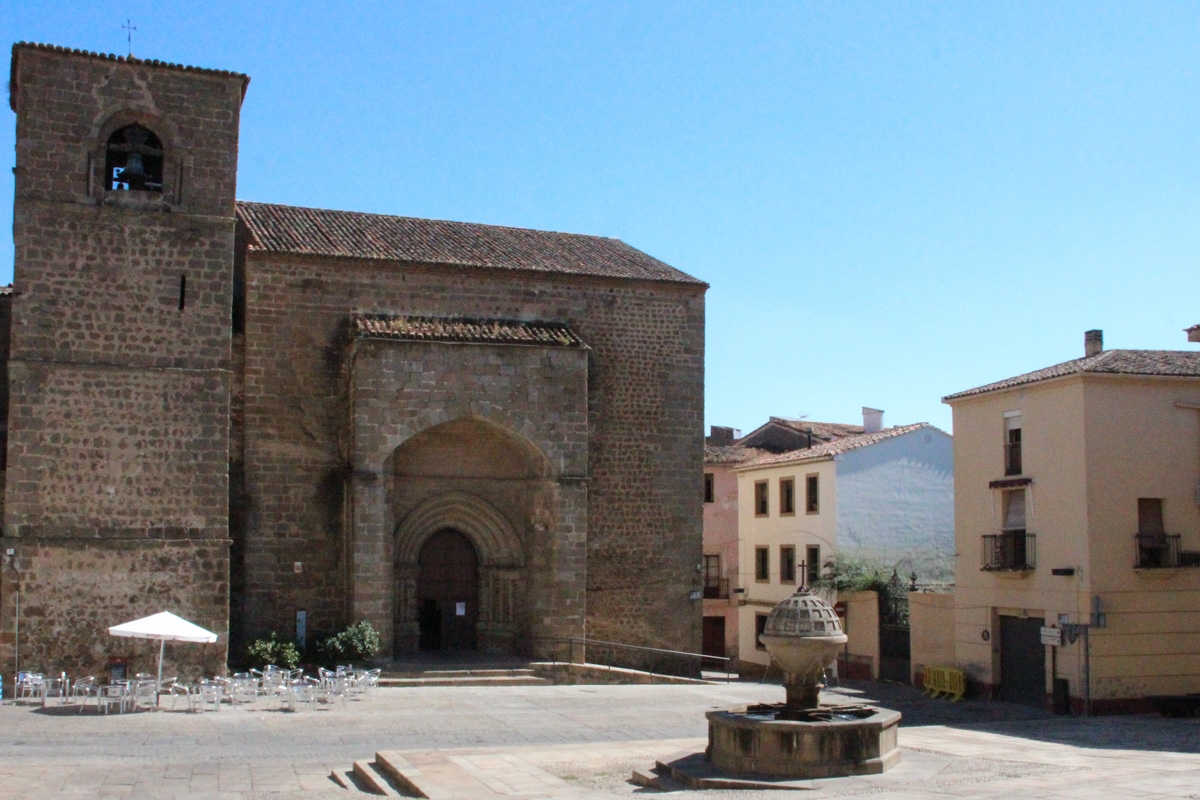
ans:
(824, 742)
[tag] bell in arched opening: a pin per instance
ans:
(134, 160)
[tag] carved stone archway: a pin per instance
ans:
(501, 564)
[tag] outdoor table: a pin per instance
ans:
(59, 687)
(113, 693)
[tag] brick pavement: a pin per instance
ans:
(572, 741)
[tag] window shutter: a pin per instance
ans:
(1014, 510)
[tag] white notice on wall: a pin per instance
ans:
(460, 609)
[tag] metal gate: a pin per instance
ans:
(1022, 661)
(894, 643)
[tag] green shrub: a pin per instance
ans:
(273, 650)
(852, 573)
(356, 643)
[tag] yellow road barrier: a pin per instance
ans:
(945, 681)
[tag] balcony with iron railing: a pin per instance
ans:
(1162, 551)
(716, 588)
(1009, 551)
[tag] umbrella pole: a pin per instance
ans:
(162, 643)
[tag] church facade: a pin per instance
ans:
(270, 418)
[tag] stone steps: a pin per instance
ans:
(464, 677)
(436, 775)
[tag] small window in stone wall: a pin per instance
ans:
(787, 496)
(812, 491)
(762, 502)
(709, 490)
(762, 564)
(133, 160)
(787, 564)
(812, 564)
(760, 625)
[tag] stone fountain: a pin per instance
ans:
(800, 738)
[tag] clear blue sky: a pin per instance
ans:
(892, 202)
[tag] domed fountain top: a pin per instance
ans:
(803, 634)
(803, 615)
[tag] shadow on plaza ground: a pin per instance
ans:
(1136, 732)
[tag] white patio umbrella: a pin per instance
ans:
(166, 627)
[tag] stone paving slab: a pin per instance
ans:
(576, 742)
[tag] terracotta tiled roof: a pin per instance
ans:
(352, 234)
(730, 454)
(829, 449)
(6, 290)
(457, 329)
(823, 430)
(51, 48)
(1178, 363)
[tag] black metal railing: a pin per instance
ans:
(1010, 551)
(716, 588)
(1156, 550)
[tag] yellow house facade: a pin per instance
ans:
(879, 493)
(787, 526)
(1077, 531)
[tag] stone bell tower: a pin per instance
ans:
(117, 480)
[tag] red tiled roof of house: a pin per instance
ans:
(352, 234)
(1173, 363)
(829, 449)
(458, 329)
(823, 430)
(134, 60)
(720, 456)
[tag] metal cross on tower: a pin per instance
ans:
(129, 29)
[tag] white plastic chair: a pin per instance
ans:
(302, 692)
(29, 685)
(145, 693)
(192, 698)
(243, 689)
(82, 690)
(210, 692)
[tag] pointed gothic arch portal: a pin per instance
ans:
(464, 494)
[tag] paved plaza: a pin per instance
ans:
(576, 742)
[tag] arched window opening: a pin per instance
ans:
(134, 160)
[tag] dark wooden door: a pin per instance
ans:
(448, 592)
(1022, 661)
(712, 642)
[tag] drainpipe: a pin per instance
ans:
(1087, 672)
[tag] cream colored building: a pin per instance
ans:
(795, 509)
(1076, 504)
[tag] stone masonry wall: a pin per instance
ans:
(120, 379)
(101, 452)
(645, 434)
(72, 591)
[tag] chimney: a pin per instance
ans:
(1093, 343)
(872, 420)
(721, 436)
(1193, 333)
